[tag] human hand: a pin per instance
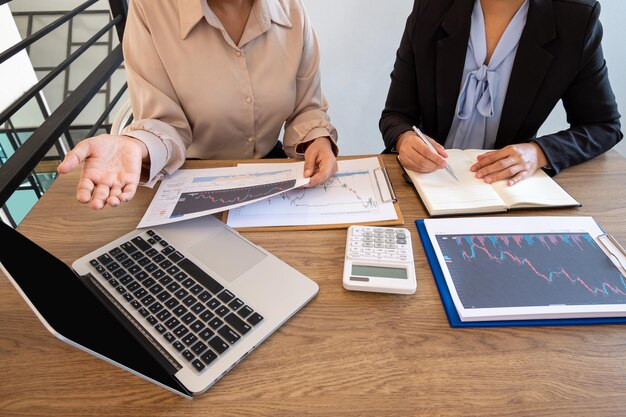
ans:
(415, 155)
(111, 169)
(320, 162)
(512, 163)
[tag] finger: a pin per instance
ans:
(522, 175)
(74, 158)
(84, 190)
(128, 192)
(430, 155)
(440, 149)
(504, 174)
(309, 164)
(412, 159)
(326, 168)
(321, 174)
(99, 196)
(114, 194)
(422, 164)
(495, 166)
(487, 159)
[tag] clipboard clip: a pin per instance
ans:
(615, 250)
(383, 183)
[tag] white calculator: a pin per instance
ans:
(379, 259)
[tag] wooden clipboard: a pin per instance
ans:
(383, 183)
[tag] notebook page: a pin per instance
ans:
(540, 190)
(537, 191)
(442, 194)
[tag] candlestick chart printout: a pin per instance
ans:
(190, 193)
(350, 196)
(525, 270)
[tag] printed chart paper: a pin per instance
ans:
(191, 193)
(351, 196)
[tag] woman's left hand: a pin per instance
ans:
(512, 163)
(320, 162)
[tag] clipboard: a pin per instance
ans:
(384, 188)
(453, 317)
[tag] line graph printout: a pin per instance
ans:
(190, 193)
(350, 196)
(550, 273)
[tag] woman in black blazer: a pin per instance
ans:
(558, 57)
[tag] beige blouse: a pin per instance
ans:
(195, 94)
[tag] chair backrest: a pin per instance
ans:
(18, 165)
(123, 118)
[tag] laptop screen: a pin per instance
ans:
(72, 310)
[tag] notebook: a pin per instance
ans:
(442, 195)
(177, 304)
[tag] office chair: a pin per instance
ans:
(123, 118)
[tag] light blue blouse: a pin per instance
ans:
(483, 89)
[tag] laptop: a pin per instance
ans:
(177, 304)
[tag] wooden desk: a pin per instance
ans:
(345, 353)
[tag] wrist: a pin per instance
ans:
(302, 147)
(542, 161)
(402, 138)
(144, 148)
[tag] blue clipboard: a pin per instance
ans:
(453, 316)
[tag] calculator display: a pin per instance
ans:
(379, 271)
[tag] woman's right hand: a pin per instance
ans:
(111, 169)
(417, 156)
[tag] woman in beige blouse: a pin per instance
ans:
(211, 79)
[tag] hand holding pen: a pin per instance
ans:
(432, 148)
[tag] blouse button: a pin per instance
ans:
(238, 53)
(248, 100)
(250, 139)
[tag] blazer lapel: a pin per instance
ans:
(529, 68)
(451, 50)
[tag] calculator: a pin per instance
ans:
(379, 259)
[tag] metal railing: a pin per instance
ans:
(18, 167)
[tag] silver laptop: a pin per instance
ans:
(178, 304)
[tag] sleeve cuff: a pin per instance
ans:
(318, 132)
(156, 150)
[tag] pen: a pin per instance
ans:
(432, 148)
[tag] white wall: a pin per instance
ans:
(359, 39)
(19, 73)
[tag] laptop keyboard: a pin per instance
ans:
(191, 310)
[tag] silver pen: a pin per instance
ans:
(432, 148)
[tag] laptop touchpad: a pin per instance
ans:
(227, 254)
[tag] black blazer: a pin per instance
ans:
(559, 57)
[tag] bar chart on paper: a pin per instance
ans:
(525, 270)
(350, 196)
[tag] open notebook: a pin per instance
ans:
(177, 304)
(442, 195)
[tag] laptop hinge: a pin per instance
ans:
(131, 324)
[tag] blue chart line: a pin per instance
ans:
(193, 202)
(528, 270)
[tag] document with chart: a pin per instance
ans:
(191, 193)
(527, 268)
(360, 192)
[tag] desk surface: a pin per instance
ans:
(346, 353)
